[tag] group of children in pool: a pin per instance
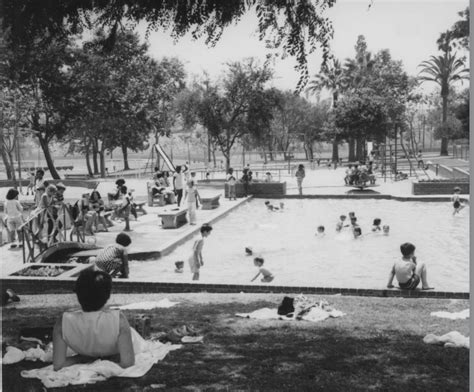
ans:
(354, 226)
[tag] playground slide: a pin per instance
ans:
(165, 157)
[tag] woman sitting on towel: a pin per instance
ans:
(95, 331)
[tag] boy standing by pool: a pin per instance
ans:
(407, 271)
(195, 261)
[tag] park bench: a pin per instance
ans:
(173, 219)
(209, 203)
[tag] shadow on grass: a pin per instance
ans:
(250, 355)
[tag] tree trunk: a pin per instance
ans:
(360, 149)
(214, 157)
(88, 162)
(102, 160)
(125, 157)
(444, 140)
(270, 150)
(95, 151)
(335, 150)
(351, 143)
(227, 161)
(48, 157)
(6, 162)
(10, 159)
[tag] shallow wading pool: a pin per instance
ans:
(297, 257)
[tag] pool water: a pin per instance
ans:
(296, 257)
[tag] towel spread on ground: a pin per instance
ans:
(147, 353)
(451, 339)
(305, 309)
(147, 305)
(463, 314)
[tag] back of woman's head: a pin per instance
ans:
(93, 289)
(12, 194)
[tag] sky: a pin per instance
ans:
(408, 28)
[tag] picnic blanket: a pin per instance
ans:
(304, 309)
(147, 305)
(450, 339)
(147, 353)
(463, 314)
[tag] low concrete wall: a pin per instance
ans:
(441, 170)
(260, 189)
(439, 187)
(55, 285)
(460, 173)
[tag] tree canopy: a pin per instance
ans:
(293, 28)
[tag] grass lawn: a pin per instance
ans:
(376, 346)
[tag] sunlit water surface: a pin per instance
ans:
(297, 257)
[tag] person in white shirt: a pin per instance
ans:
(178, 184)
(13, 210)
(94, 331)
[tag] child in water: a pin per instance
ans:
(386, 229)
(458, 206)
(357, 231)
(376, 225)
(271, 207)
(320, 232)
(267, 275)
(340, 224)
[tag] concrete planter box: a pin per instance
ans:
(68, 271)
(439, 187)
(260, 189)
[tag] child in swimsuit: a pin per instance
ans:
(407, 271)
(458, 206)
(376, 225)
(267, 275)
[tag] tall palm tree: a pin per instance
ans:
(357, 71)
(443, 70)
(332, 78)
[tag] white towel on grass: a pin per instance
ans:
(147, 305)
(147, 353)
(463, 314)
(450, 339)
(315, 314)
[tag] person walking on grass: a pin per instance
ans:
(300, 174)
(195, 260)
(407, 271)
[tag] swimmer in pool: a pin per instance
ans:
(458, 206)
(267, 275)
(271, 207)
(340, 224)
(357, 231)
(320, 232)
(376, 225)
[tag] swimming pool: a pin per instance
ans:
(297, 257)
